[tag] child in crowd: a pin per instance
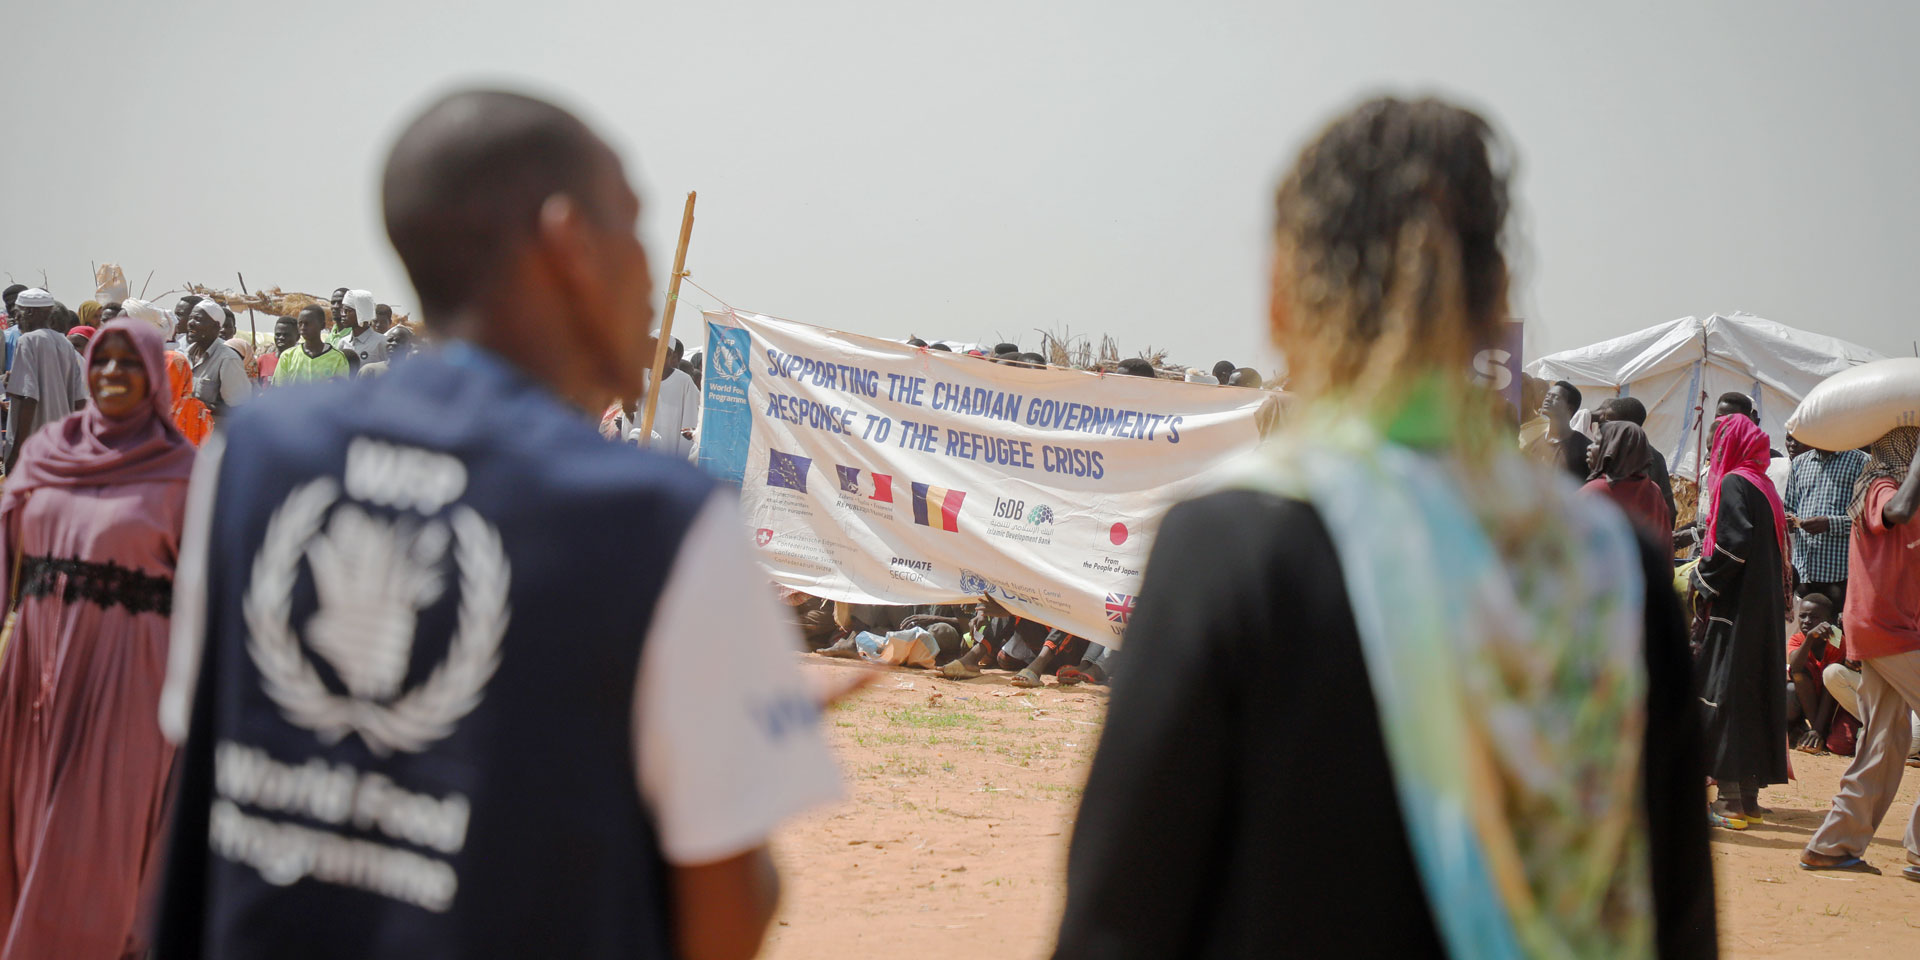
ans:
(1810, 709)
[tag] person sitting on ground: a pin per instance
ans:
(1810, 708)
(1246, 377)
(1561, 444)
(1843, 681)
(853, 619)
(1059, 645)
(1633, 411)
(313, 358)
(1137, 367)
(1224, 370)
(1094, 667)
(994, 628)
(812, 616)
(1620, 460)
(46, 382)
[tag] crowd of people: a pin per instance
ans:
(1780, 542)
(322, 672)
(211, 369)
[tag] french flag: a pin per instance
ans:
(865, 483)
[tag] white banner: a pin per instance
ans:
(877, 472)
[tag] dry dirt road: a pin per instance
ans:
(961, 797)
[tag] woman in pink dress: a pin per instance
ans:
(91, 519)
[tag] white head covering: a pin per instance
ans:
(213, 310)
(143, 310)
(1582, 422)
(362, 303)
(33, 297)
(1195, 376)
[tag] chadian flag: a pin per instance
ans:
(876, 486)
(937, 507)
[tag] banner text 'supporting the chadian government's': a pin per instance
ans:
(877, 472)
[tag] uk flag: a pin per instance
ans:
(1119, 607)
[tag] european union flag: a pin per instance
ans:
(787, 470)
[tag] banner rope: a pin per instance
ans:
(688, 278)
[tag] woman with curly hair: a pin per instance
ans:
(1504, 663)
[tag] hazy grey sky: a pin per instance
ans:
(982, 170)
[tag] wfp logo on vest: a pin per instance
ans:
(974, 584)
(374, 573)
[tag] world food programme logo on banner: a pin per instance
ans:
(725, 361)
(974, 584)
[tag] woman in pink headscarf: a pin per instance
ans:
(89, 535)
(1741, 583)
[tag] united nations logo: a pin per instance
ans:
(373, 577)
(974, 584)
(725, 360)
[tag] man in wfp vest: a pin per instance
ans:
(447, 690)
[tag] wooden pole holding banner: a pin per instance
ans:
(666, 325)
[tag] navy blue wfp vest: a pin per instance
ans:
(412, 734)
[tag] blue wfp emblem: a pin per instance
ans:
(725, 360)
(974, 584)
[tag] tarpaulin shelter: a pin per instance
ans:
(1680, 368)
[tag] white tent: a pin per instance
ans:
(1677, 367)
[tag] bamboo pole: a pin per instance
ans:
(661, 346)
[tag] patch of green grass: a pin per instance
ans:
(922, 718)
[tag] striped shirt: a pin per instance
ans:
(1821, 485)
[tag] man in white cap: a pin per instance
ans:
(361, 340)
(46, 383)
(219, 375)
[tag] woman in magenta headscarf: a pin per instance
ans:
(89, 536)
(1741, 582)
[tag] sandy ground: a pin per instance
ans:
(961, 798)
